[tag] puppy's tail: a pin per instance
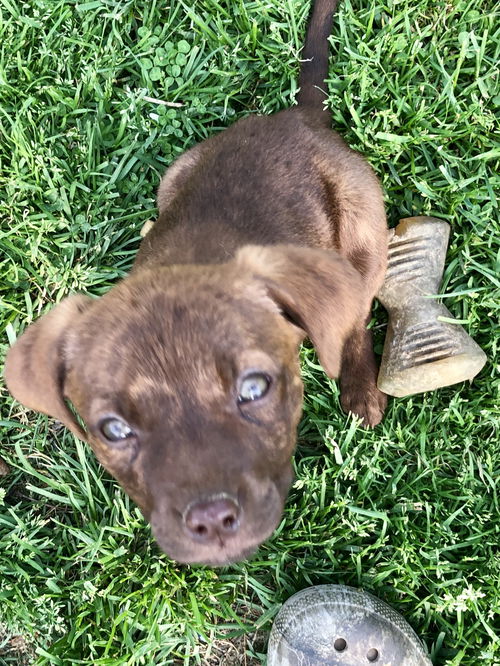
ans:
(314, 66)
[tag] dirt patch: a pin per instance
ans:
(233, 652)
(15, 649)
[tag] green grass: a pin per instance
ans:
(410, 510)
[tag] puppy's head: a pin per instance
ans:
(187, 381)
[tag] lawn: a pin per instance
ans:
(97, 98)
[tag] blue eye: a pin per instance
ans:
(115, 430)
(253, 387)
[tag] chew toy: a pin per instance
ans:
(423, 349)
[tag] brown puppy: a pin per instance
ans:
(186, 373)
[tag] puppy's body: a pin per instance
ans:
(267, 180)
(267, 232)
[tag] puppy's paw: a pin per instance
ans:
(366, 402)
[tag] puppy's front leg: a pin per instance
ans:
(358, 377)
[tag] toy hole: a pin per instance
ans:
(340, 644)
(372, 654)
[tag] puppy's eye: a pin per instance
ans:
(115, 430)
(253, 387)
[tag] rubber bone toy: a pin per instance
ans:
(423, 351)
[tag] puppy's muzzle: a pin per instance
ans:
(212, 520)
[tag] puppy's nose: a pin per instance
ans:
(212, 519)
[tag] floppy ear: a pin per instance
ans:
(35, 365)
(317, 289)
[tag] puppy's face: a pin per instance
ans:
(189, 387)
(188, 383)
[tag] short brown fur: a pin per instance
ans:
(271, 231)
